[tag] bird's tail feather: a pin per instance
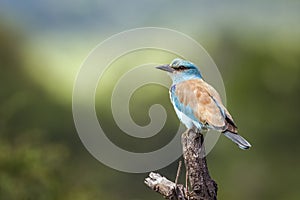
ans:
(239, 140)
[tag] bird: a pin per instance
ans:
(197, 104)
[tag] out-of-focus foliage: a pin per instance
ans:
(41, 156)
(31, 160)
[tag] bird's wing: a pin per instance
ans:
(204, 101)
(230, 124)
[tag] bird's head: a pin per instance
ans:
(181, 70)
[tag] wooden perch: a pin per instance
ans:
(165, 187)
(203, 187)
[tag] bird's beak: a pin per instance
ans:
(166, 68)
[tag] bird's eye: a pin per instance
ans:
(181, 67)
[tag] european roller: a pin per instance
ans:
(198, 104)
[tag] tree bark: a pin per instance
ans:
(203, 187)
(165, 187)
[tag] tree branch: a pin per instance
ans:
(203, 187)
(165, 187)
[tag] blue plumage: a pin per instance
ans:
(184, 112)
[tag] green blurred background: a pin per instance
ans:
(255, 44)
